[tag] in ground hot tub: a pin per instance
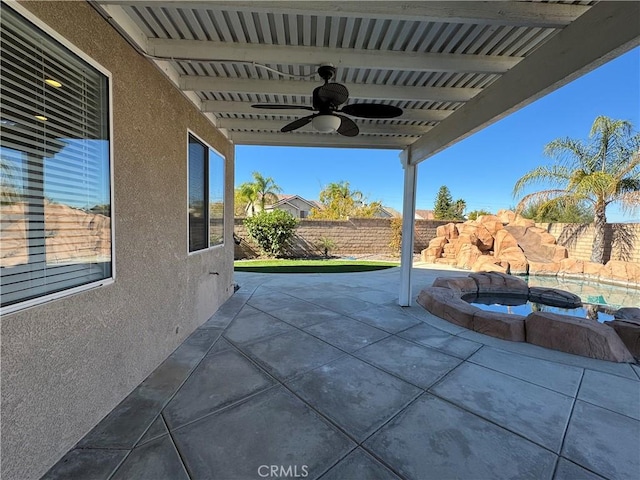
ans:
(616, 341)
(524, 305)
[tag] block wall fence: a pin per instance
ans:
(357, 236)
(374, 236)
(622, 240)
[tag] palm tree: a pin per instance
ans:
(260, 191)
(459, 207)
(339, 201)
(247, 194)
(603, 171)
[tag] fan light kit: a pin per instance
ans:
(327, 99)
(326, 123)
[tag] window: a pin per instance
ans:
(55, 180)
(303, 214)
(206, 196)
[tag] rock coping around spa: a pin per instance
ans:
(615, 341)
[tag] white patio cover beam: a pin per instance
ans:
(286, 55)
(245, 108)
(276, 125)
(123, 23)
(319, 140)
(604, 32)
(290, 87)
(408, 223)
(526, 14)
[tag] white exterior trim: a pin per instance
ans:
(224, 174)
(15, 6)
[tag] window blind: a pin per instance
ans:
(55, 223)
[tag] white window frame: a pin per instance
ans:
(30, 17)
(224, 189)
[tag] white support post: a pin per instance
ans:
(408, 223)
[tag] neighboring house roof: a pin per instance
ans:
(424, 215)
(287, 199)
(390, 212)
(282, 196)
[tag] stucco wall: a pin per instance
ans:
(67, 363)
(357, 236)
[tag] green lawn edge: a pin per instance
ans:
(310, 266)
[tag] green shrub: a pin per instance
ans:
(325, 244)
(396, 236)
(271, 230)
(473, 215)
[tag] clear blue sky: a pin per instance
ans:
(481, 169)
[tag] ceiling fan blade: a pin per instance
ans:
(281, 106)
(372, 110)
(335, 93)
(348, 127)
(300, 122)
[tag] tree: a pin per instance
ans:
(445, 208)
(396, 236)
(442, 207)
(339, 202)
(240, 203)
(326, 244)
(543, 212)
(247, 195)
(260, 191)
(601, 171)
(473, 215)
(458, 209)
(271, 230)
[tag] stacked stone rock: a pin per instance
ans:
(627, 326)
(616, 341)
(509, 243)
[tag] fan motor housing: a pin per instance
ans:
(327, 72)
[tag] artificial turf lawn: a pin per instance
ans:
(309, 266)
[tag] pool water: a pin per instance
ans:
(595, 293)
(521, 306)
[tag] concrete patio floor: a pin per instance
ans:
(324, 376)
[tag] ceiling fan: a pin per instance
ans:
(327, 99)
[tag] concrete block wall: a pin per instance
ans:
(622, 240)
(425, 230)
(357, 236)
(371, 236)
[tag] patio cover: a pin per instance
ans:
(454, 67)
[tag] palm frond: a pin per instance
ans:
(605, 170)
(545, 197)
(631, 165)
(555, 174)
(609, 138)
(627, 185)
(609, 128)
(629, 201)
(570, 153)
(599, 184)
